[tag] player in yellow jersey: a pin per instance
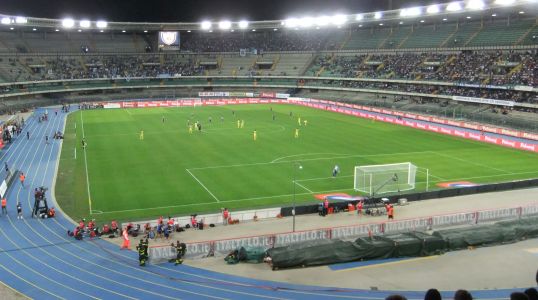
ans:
(305, 122)
(299, 121)
(141, 134)
(190, 128)
(296, 132)
(242, 123)
(238, 124)
(254, 135)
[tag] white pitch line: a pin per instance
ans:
(304, 154)
(310, 159)
(298, 194)
(203, 185)
(302, 186)
(471, 162)
(323, 178)
(86, 165)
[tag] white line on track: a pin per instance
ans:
(215, 197)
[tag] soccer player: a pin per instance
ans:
(254, 135)
(190, 128)
(222, 118)
(274, 117)
(242, 123)
(336, 170)
(238, 123)
(141, 134)
(296, 132)
(210, 120)
(163, 119)
(305, 122)
(299, 121)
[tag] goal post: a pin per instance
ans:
(387, 178)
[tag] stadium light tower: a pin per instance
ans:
(433, 9)
(84, 24)
(102, 24)
(243, 24)
(225, 25)
(21, 20)
(206, 25)
(476, 4)
(453, 6)
(505, 2)
(68, 23)
(323, 20)
(339, 20)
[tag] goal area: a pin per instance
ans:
(387, 178)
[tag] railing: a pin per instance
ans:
(469, 218)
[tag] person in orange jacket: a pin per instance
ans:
(22, 178)
(4, 205)
(390, 212)
(126, 242)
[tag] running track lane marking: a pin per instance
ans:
(86, 165)
(203, 185)
(389, 263)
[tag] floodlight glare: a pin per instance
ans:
(292, 22)
(378, 15)
(453, 6)
(323, 20)
(21, 20)
(243, 24)
(359, 17)
(339, 19)
(84, 24)
(6, 21)
(306, 22)
(433, 9)
(504, 2)
(411, 12)
(101, 24)
(206, 25)
(68, 23)
(225, 25)
(476, 4)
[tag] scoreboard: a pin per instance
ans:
(169, 40)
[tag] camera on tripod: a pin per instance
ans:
(40, 203)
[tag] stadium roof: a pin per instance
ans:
(435, 13)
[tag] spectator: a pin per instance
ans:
(518, 296)
(432, 294)
(532, 294)
(396, 297)
(462, 295)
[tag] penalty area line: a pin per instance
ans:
(205, 188)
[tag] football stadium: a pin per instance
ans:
(368, 150)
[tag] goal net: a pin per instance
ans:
(379, 179)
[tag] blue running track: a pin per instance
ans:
(38, 259)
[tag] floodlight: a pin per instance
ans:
(493, 15)
(11, 28)
(206, 25)
(80, 30)
(123, 31)
(188, 31)
(21, 20)
(232, 30)
(84, 24)
(225, 25)
(306, 22)
(210, 30)
(476, 4)
(68, 23)
(339, 19)
(243, 24)
(521, 12)
(504, 2)
(34, 29)
(275, 29)
(292, 22)
(359, 17)
(101, 30)
(56, 29)
(433, 9)
(411, 12)
(378, 15)
(6, 21)
(380, 24)
(323, 20)
(453, 6)
(101, 24)
(145, 31)
(253, 29)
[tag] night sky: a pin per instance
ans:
(194, 10)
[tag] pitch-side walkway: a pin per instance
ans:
(38, 259)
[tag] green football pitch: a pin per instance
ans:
(174, 172)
